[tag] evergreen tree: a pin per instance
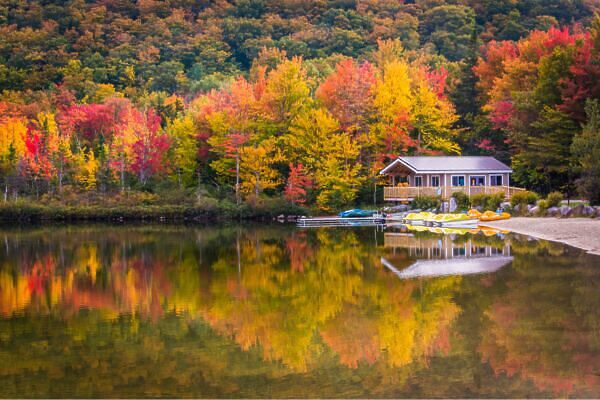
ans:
(586, 150)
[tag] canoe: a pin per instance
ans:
(492, 216)
(357, 213)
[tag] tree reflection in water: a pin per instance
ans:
(274, 311)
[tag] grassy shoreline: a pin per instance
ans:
(26, 212)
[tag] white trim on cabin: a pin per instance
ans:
(393, 164)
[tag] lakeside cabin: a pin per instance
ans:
(411, 177)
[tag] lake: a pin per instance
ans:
(277, 311)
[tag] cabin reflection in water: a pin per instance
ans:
(443, 255)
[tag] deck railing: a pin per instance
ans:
(410, 192)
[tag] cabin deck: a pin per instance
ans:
(406, 193)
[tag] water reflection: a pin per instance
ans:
(279, 312)
(441, 254)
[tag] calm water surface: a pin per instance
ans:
(274, 311)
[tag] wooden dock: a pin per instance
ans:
(319, 222)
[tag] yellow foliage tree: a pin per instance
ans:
(393, 96)
(185, 147)
(308, 132)
(256, 169)
(338, 176)
(410, 112)
(286, 91)
(12, 138)
(86, 168)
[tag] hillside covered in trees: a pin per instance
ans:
(252, 99)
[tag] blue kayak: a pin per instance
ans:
(357, 213)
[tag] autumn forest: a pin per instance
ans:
(248, 100)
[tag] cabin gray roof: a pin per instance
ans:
(433, 164)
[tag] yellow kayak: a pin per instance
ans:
(454, 221)
(473, 213)
(492, 216)
(418, 218)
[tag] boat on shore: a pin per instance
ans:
(419, 218)
(357, 213)
(493, 216)
(441, 220)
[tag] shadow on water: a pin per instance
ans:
(274, 311)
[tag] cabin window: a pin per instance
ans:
(477, 251)
(418, 181)
(459, 251)
(458, 180)
(477, 180)
(496, 180)
(435, 181)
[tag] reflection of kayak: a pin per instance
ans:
(492, 216)
(417, 228)
(489, 231)
(453, 231)
(357, 213)
(442, 230)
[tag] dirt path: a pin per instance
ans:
(583, 233)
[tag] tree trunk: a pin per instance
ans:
(60, 176)
(375, 191)
(237, 179)
(122, 174)
(257, 184)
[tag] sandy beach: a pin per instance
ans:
(583, 233)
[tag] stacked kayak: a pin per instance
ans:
(419, 218)
(492, 216)
(441, 220)
(473, 213)
(454, 221)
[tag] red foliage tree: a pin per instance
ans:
(347, 92)
(151, 146)
(297, 184)
(584, 81)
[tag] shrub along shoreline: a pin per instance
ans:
(28, 212)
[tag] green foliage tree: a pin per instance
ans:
(586, 150)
